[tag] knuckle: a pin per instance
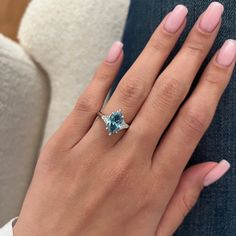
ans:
(170, 92)
(120, 173)
(215, 75)
(212, 78)
(164, 172)
(160, 41)
(50, 160)
(195, 122)
(198, 42)
(131, 91)
(142, 135)
(102, 74)
(85, 104)
(195, 47)
(188, 201)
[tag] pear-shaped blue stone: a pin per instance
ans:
(115, 122)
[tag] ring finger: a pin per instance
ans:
(173, 84)
(138, 81)
(195, 115)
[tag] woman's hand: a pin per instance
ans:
(132, 183)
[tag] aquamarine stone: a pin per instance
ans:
(116, 118)
(115, 122)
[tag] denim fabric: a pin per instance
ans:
(215, 212)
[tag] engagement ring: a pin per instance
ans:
(115, 122)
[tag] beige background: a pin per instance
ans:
(11, 12)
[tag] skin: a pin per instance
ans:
(89, 183)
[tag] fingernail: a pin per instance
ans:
(114, 52)
(216, 173)
(211, 17)
(176, 19)
(227, 53)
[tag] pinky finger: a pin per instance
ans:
(91, 100)
(187, 192)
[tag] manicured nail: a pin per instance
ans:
(114, 52)
(227, 53)
(211, 17)
(176, 18)
(216, 173)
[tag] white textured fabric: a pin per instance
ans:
(7, 230)
(69, 38)
(23, 106)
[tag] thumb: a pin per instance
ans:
(187, 192)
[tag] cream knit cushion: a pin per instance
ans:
(69, 38)
(23, 106)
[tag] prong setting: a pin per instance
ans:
(114, 122)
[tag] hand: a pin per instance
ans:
(133, 182)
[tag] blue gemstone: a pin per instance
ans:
(113, 127)
(115, 121)
(116, 117)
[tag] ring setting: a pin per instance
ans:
(114, 122)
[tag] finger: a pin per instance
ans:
(187, 192)
(136, 84)
(195, 116)
(173, 84)
(91, 100)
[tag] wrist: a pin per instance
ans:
(20, 229)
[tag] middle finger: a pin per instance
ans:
(173, 84)
(138, 81)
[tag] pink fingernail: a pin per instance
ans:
(211, 17)
(176, 19)
(114, 52)
(227, 53)
(216, 173)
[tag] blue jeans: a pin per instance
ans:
(215, 212)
